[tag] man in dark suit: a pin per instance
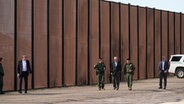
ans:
(24, 69)
(163, 72)
(116, 73)
(1, 76)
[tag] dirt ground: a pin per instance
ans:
(144, 92)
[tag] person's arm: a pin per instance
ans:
(104, 66)
(133, 67)
(160, 67)
(124, 69)
(95, 66)
(120, 67)
(167, 67)
(111, 68)
(1, 70)
(30, 71)
(18, 69)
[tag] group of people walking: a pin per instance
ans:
(24, 69)
(128, 69)
(115, 71)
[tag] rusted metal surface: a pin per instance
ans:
(69, 42)
(150, 43)
(171, 34)
(105, 37)
(40, 44)
(82, 51)
(55, 55)
(142, 43)
(124, 33)
(157, 41)
(182, 35)
(164, 34)
(7, 36)
(93, 38)
(177, 33)
(133, 39)
(115, 30)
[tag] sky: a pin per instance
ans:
(168, 5)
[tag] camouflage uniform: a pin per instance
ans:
(129, 71)
(100, 71)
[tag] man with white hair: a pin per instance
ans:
(116, 72)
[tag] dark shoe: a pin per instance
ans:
(117, 88)
(20, 92)
(99, 89)
(160, 88)
(114, 88)
(164, 88)
(26, 92)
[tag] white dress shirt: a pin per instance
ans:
(163, 64)
(116, 64)
(24, 65)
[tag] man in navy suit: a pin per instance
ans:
(163, 72)
(1, 76)
(116, 72)
(24, 69)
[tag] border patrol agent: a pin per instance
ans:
(129, 69)
(100, 71)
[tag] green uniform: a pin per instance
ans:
(1, 77)
(129, 71)
(100, 71)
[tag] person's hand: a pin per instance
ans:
(18, 75)
(94, 66)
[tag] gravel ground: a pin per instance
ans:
(144, 92)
